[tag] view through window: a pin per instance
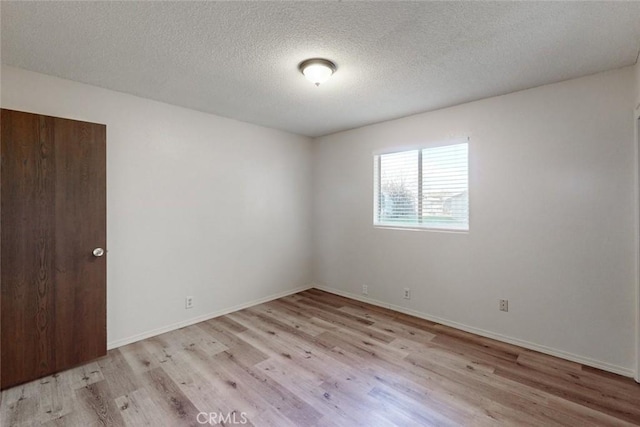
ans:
(427, 188)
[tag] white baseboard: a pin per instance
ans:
(515, 341)
(194, 320)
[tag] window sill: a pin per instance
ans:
(409, 228)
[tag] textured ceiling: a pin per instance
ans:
(239, 59)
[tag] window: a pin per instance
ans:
(427, 188)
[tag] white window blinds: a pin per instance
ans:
(426, 188)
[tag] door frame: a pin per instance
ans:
(636, 118)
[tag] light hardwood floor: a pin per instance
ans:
(318, 359)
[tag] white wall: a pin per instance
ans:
(552, 220)
(197, 204)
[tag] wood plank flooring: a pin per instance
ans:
(317, 359)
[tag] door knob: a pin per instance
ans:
(98, 252)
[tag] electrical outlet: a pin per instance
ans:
(407, 293)
(365, 289)
(188, 302)
(504, 305)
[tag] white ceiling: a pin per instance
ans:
(239, 59)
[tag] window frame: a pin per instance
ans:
(418, 226)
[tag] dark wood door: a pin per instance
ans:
(52, 217)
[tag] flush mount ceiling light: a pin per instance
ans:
(317, 70)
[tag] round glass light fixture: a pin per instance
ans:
(317, 70)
